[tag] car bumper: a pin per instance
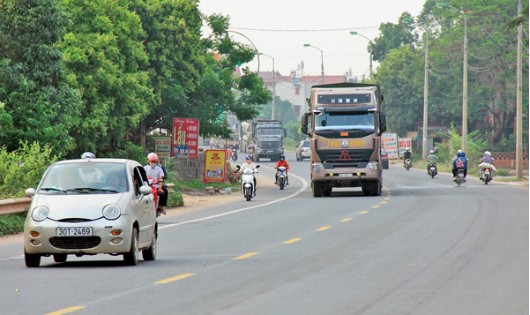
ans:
(108, 237)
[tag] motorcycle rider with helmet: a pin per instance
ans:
(460, 162)
(282, 162)
(249, 165)
(487, 161)
(155, 172)
(407, 155)
(432, 159)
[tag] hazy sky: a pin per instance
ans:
(280, 28)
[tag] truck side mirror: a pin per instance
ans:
(304, 123)
(382, 122)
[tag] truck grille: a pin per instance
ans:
(75, 242)
(345, 158)
(269, 144)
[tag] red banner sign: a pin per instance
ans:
(185, 140)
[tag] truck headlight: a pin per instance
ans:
(373, 166)
(317, 168)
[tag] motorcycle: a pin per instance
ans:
(152, 182)
(433, 170)
(408, 164)
(234, 154)
(485, 175)
(460, 179)
(281, 180)
(247, 183)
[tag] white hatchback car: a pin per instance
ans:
(303, 151)
(88, 207)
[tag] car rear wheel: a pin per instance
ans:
(131, 258)
(32, 260)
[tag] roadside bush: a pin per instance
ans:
(11, 223)
(23, 168)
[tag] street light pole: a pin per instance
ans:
(426, 97)
(370, 46)
(321, 61)
(273, 86)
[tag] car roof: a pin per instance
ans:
(99, 160)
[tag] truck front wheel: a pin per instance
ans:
(317, 189)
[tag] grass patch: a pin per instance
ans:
(12, 223)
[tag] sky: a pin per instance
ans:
(280, 28)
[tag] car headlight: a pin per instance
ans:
(111, 212)
(40, 213)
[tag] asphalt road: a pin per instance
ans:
(425, 246)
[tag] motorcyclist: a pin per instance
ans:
(460, 162)
(249, 165)
(282, 162)
(487, 161)
(155, 172)
(432, 159)
(407, 155)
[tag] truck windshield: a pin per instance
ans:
(270, 132)
(344, 120)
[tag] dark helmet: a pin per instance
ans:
(248, 157)
(282, 157)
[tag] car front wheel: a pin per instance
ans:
(131, 258)
(32, 260)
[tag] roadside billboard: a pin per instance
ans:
(163, 147)
(185, 140)
(390, 145)
(405, 143)
(214, 166)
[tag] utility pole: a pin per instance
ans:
(464, 88)
(519, 101)
(426, 97)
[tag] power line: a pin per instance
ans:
(305, 30)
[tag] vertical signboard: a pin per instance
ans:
(163, 147)
(214, 166)
(185, 138)
(404, 144)
(390, 145)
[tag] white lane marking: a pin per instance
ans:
(299, 191)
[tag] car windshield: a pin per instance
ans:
(85, 178)
(306, 144)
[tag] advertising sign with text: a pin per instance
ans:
(390, 145)
(163, 147)
(185, 140)
(214, 166)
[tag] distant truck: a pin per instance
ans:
(265, 138)
(345, 124)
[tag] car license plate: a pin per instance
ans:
(74, 231)
(345, 175)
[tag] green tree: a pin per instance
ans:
(107, 61)
(393, 36)
(36, 103)
(176, 59)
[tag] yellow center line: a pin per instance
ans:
(346, 219)
(67, 310)
(363, 212)
(292, 240)
(245, 256)
(383, 202)
(327, 227)
(375, 206)
(175, 278)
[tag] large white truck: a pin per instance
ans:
(345, 123)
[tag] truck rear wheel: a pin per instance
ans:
(316, 189)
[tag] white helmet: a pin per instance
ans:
(88, 155)
(487, 153)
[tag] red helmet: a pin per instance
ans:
(152, 158)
